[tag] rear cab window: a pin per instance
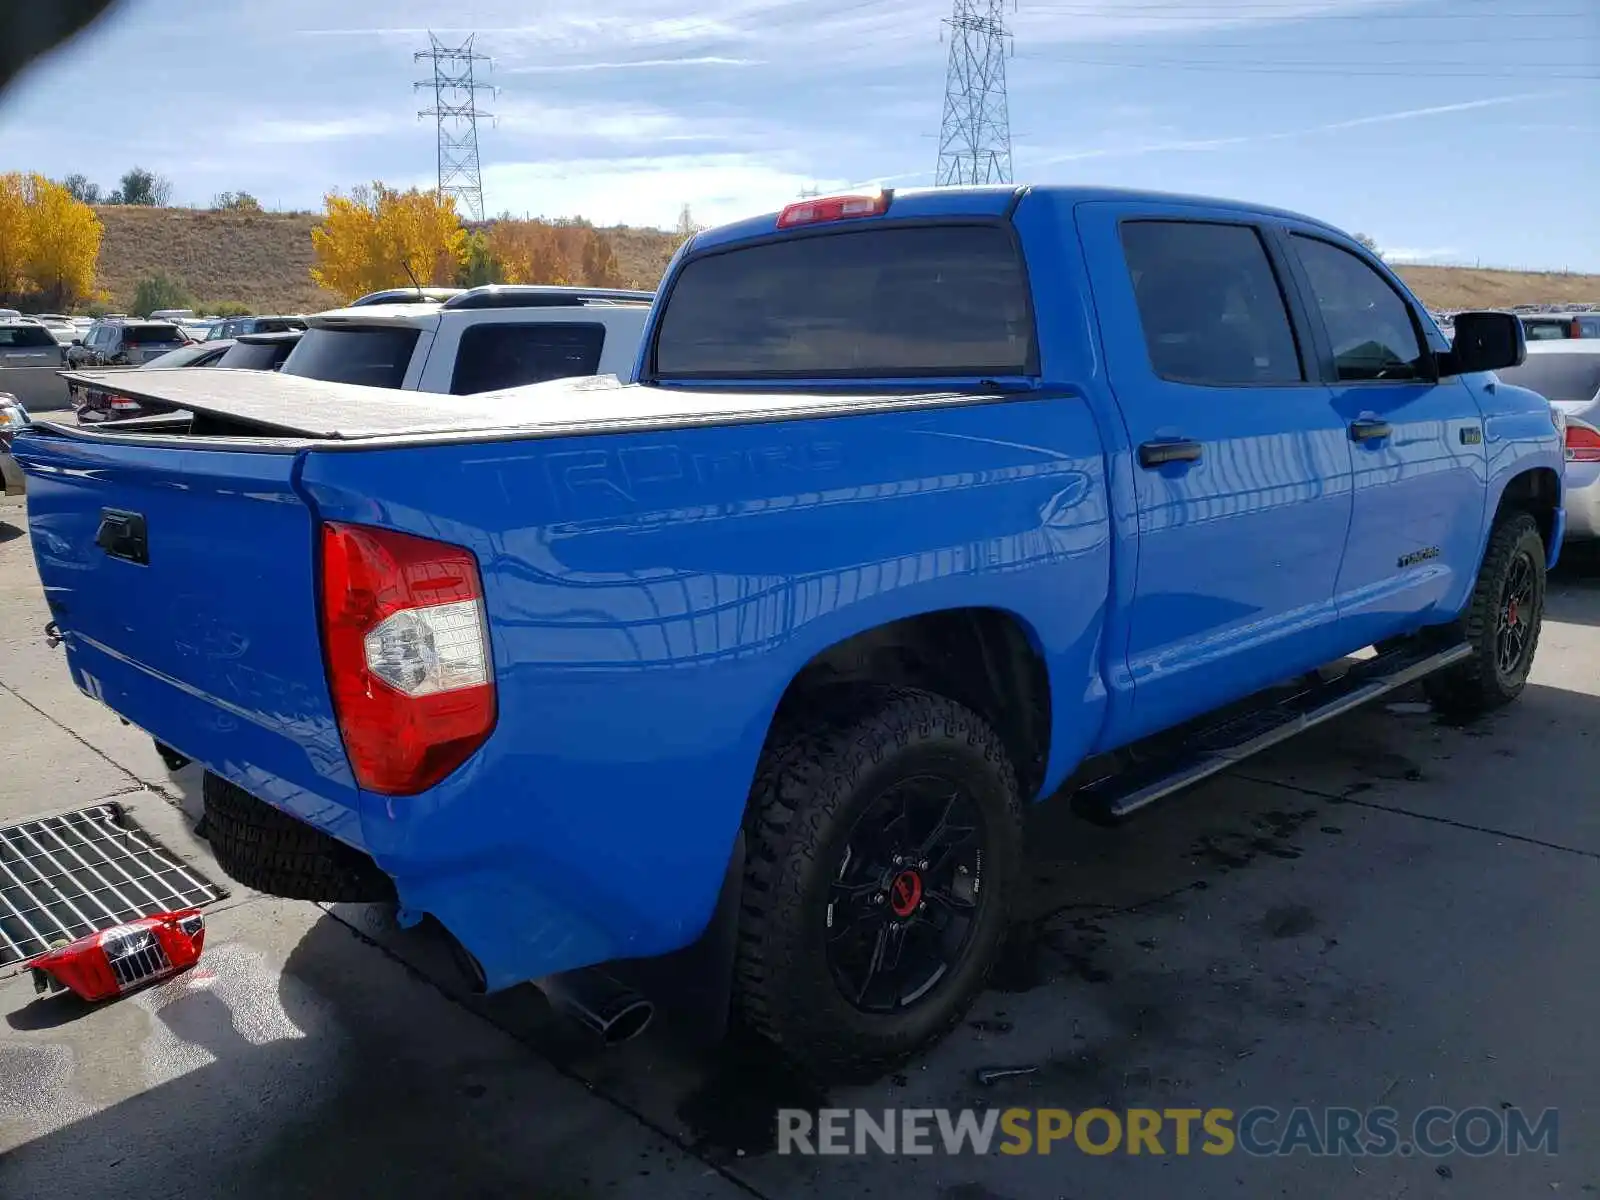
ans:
(371, 355)
(890, 302)
(498, 355)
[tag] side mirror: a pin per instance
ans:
(77, 341)
(1485, 341)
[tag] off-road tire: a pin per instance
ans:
(1477, 685)
(814, 781)
(272, 852)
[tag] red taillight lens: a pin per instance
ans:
(408, 655)
(834, 208)
(1583, 443)
(101, 965)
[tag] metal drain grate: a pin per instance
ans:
(62, 877)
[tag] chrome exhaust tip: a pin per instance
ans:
(613, 1011)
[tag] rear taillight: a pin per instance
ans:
(407, 653)
(1583, 442)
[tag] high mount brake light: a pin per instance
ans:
(407, 653)
(1583, 442)
(834, 208)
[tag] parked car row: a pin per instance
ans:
(251, 352)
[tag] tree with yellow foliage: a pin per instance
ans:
(368, 239)
(559, 252)
(14, 235)
(63, 243)
(529, 252)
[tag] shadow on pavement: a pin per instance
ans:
(330, 1084)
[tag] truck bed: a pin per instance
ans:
(270, 405)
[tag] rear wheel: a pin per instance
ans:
(1501, 622)
(272, 852)
(884, 849)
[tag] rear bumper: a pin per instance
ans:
(527, 879)
(1582, 501)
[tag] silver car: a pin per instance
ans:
(1567, 373)
(13, 418)
(29, 344)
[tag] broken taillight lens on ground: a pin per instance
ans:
(110, 962)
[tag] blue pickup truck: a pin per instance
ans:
(919, 508)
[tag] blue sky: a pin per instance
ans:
(1450, 130)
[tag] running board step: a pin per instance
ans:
(1214, 748)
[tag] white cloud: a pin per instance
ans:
(1217, 143)
(279, 131)
(699, 60)
(648, 191)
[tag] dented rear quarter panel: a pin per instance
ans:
(650, 596)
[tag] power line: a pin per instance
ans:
(455, 108)
(975, 134)
(1396, 70)
(1286, 12)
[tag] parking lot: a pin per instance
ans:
(1389, 911)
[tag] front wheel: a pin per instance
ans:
(885, 845)
(1501, 622)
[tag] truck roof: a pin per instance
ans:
(994, 200)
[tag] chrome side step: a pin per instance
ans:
(1212, 749)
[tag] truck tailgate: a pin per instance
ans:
(183, 583)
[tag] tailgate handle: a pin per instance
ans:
(122, 535)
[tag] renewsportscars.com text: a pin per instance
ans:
(1260, 1131)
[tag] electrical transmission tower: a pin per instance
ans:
(455, 107)
(975, 137)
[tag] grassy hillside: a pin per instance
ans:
(259, 259)
(263, 260)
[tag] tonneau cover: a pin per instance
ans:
(292, 406)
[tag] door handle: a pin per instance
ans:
(1168, 450)
(122, 535)
(1369, 429)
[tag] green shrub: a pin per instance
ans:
(159, 291)
(227, 308)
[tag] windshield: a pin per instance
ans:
(891, 302)
(25, 335)
(254, 356)
(1559, 377)
(374, 355)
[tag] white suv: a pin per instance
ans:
(484, 339)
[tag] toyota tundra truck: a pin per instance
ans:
(917, 509)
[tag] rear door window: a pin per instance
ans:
(1373, 332)
(1209, 301)
(372, 355)
(495, 356)
(889, 302)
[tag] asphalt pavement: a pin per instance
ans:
(1392, 911)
